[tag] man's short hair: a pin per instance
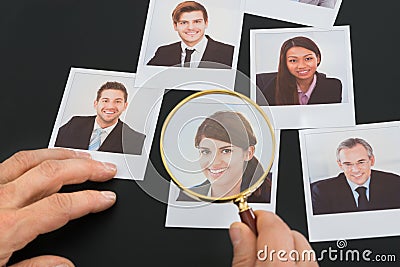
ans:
(188, 6)
(352, 142)
(113, 86)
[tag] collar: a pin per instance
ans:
(353, 186)
(199, 47)
(310, 89)
(107, 129)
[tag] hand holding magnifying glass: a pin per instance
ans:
(234, 163)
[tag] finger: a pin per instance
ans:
(23, 161)
(273, 236)
(308, 257)
(52, 213)
(49, 176)
(45, 261)
(244, 245)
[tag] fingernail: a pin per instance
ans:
(63, 265)
(109, 195)
(109, 166)
(235, 234)
(81, 154)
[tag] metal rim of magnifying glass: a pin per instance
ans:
(243, 194)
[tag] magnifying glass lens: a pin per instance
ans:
(219, 146)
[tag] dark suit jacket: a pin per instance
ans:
(261, 195)
(334, 195)
(216, 52)
(326, 91)
(122, 139)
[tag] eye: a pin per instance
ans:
(205, 151)
(292, 60)
(118, 101)
(182, 22)
(226, 151)
(309, 58)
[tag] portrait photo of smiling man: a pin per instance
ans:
(104, 131)
(196, 49)
(358, 187)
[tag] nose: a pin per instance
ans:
(190, 25)
(301, 64)
(355, 167)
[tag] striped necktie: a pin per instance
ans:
(95, 140)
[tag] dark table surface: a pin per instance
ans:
(41, 40)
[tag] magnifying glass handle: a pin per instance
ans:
(248, 218)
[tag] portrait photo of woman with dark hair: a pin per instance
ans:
(226, 145)
(297, 81)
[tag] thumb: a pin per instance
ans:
(45, 261)
(244, 245)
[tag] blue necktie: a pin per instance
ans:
(95, 140)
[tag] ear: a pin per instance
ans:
(318, 60)
(249, 153)
(125, 105)
(372, 159)
(175, 26)
(95, 104)
(339, 164)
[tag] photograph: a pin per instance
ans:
(185, 210)
(99, 113)
(217, 147)
(318, 13)
(192, 41)
(351, 176)
(303, 76)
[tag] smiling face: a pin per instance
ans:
(109, 107)
(356, 164)
(191, 27)
(223, 163)
(302, 63)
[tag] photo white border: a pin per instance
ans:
(349, 225)
(309, 116)
(190, 78)
(189, 214)
(300, 13)
(79, 95)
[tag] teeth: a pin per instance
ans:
(108, 112)
(217, 170)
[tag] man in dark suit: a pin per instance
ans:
(195, 50)
(357, 188)
(105, 131)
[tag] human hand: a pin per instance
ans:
(263, 250)
(30, 204)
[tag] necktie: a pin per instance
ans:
(188, 55)
(362, 198)
(95, 140)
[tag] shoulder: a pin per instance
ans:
(385, 177)
(169, 47)
(215, 43)
(322, 78)
(80, 119)
(129, 131)
(328, 184)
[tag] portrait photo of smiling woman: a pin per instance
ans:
(297, 81)
(226, 144)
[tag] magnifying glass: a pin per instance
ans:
(219, 146)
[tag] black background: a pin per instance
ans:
(41, 40)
